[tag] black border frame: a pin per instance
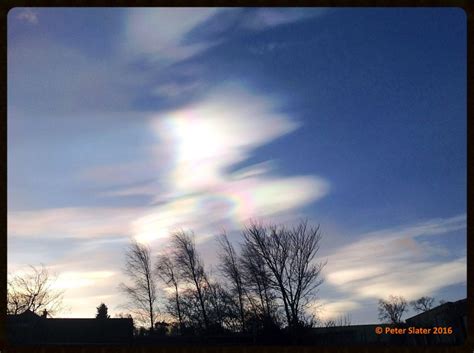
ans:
(6, 5)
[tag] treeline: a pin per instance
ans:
(263, 286)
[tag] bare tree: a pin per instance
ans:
(422, 304)
(190, 267)
(289, 254)
(142, 293)
(166, 270)
(222, 313)
(33, 291)
(392, 309)
(256, 278)
(339, 321)
(231, 269)
(122, 315)
(191, 310)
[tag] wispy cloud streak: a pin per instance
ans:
(27, 15)
(396, 261)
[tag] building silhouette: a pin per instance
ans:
(29, 328)
(450, 314)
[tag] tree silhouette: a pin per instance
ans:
(261, 297)
(231, 268)
(392, 309)
(190, 268)
(339, 321)
(271, 278)
(33, 291)
(422, 304)
(142, 293)
(102, 312)
(166, 270)
(289, 255)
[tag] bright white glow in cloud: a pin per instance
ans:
(209, 137)
(204, 140)
(197, 192)
(53, 80)
(218, 132)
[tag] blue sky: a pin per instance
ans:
(131, 123)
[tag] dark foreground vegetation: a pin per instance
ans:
(30, 329)
(264, 286)
(262, 292)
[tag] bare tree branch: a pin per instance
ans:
(190, 267)
(422, 304)
(142, 292)
(392, 309)
(33, 291)
(232, 270)
(289, 255)
(166, 270)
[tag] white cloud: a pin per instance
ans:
(207, 138)
(431, 227)
(96, 287)
(83, 289)
(159, 32)
(79, 222)
(195, 189)
(145, 189)
(134, 173)
(78, 279)
(270, 17)
(394, 261)
(332, 309)
(253, 170)
(28, 15)
(174, 90)
(218, 132)
(64, 80)
(229, 205)
(411, 280)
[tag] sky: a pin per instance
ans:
(131, 123)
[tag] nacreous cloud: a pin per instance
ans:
(206, 140)
(198, 186)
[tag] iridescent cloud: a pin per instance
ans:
(207, 139)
